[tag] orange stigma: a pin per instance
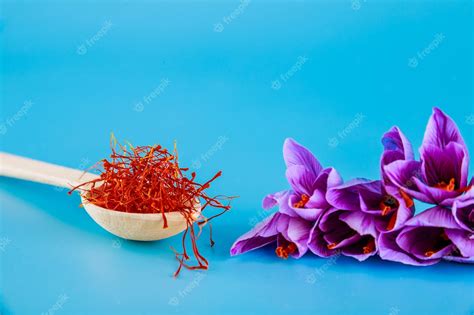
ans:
(391, 222)
(429, 253)
(370, 247)
(331, 246)
(408, 200)
(303, 201)
(448, 187)
(385, 210)
(284, 251)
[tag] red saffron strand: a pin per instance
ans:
(148, 179)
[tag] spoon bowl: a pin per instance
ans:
(138, 226)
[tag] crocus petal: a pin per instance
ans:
(463, 240)
(282, 200)
(432, 194)
(301, 179)
(333, 177)
(318, 200)
(308, 213)
(345, 196)
(282, 223)
(332, 235)
(330, 223)
(395, 140)
(418, 240)
(278, 198)
(356, 250)
(328, 178)
(435, 217)
(296, 154)
(464, 260)
(344, 243)
(443, 164)
(371, 195)
(317, 245)
(441, 130)
(298, 232)
(389, 250)
(358, 194)
(463, 213)
(402, 174)
(263, 234)
(361, 222)
(396, 147)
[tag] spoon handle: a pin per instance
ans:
(41, 172)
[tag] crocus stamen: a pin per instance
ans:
(331, 246)
(370, 247)
(388, 204)
(303, 201)
(284, 251)
(448, 187)
(281, 252)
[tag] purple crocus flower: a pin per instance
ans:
(426, 239)
(309, 182)
(299, 208)
(362, 209)
(442, 174)
(351, 233)
(396, 148)
(387, 211)
(290, 233)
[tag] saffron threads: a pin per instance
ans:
(148, 179)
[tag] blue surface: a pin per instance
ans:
(334, 60)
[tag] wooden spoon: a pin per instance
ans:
(131, 226)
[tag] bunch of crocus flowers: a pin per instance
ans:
(363, 218)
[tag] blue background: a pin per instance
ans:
(357, 65)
